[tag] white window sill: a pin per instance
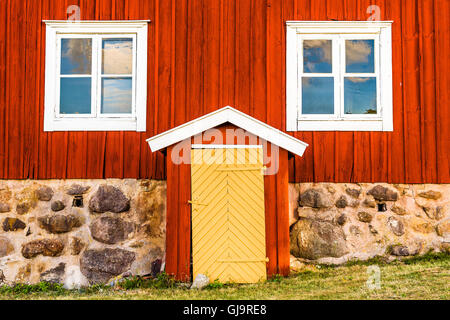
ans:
(342, 125)
(77, 124)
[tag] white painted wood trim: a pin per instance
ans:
(50, 79)
(141, 79)
(381, 122)
(94, 124)
(233, 116)
(338, 24)
(137, 122)
(387, 103)
(292, 84)
(340, 125)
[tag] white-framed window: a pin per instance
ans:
(96, 76)
(339, 76)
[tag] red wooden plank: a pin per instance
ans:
(396, 162)
(96, 146)
(114, 155)
(427, 90)
(172, 216)
(282, 185)
(411, 93)
(15, 90)
(242, 50)
(212, 54)
(229, 57)
(258, 61)
(442, 45)
(184, 221)
(344, 156)
(195, 59)
(271, 224)
(3, 52)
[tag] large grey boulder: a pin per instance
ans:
(315, 198)
(314, 239)
(101, 265)
(110, 230)
(109, 198)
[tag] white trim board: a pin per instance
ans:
(338, 32)
(235, 117)
(55, 31)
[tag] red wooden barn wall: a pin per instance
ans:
(206, 54)
(178, 234)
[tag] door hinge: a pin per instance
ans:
(197, 203)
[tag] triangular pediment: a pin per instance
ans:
(235, 117)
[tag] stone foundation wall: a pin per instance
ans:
(80, 232)
(333, 223)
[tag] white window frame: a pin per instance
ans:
(97, 30)
(338, 32)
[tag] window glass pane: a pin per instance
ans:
(318, 95)
(76, 56)
(359, 56)
(116, 95)
(75, 96)
(117, 56)
(360, 95)
(317, 56)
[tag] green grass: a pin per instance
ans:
(424, 277)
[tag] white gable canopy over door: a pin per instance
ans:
(235, 117)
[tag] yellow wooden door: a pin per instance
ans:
(228, 219)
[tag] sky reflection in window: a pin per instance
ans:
(75, 96)
(360, 95)
(359, 55)
(317, 56)
(117, 56)
(318, 95)
(76, 56)
(116, 95)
